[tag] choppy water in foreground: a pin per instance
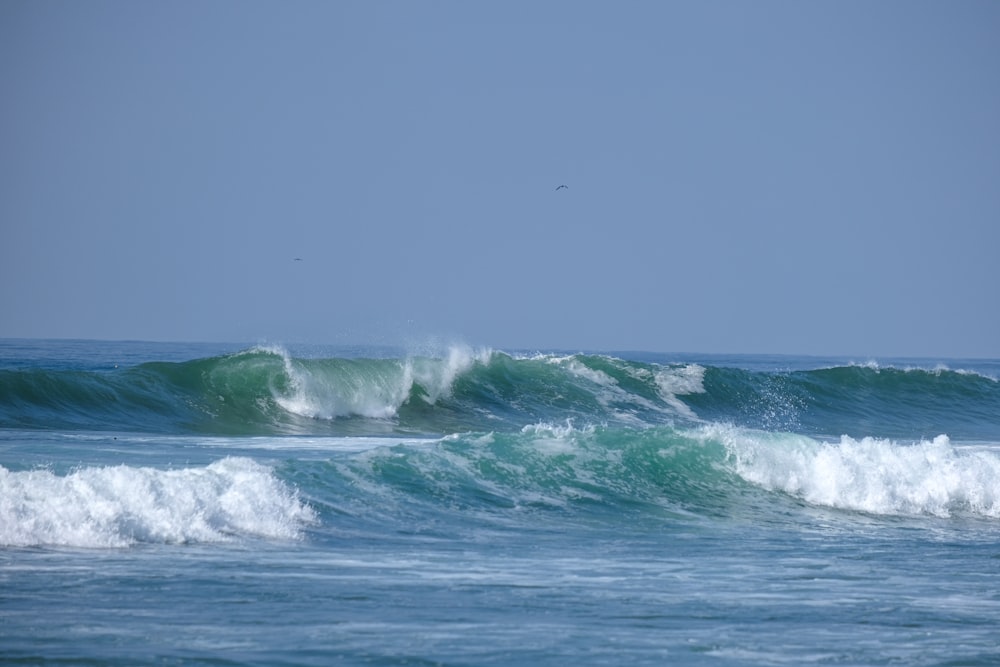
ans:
(193, 504)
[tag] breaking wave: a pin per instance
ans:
(267, 391)
(101, 507)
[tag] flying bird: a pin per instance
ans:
(561, 187)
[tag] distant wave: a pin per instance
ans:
(266, 390)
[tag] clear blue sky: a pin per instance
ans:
(784, 177)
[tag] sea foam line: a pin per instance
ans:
(118, 506)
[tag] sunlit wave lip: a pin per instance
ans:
(375, 389)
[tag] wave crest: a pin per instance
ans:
(372, 388)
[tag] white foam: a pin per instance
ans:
(672, 382)
(118, 506)
(870, 475)
(556, 439)
(605, 388)
(576, 368)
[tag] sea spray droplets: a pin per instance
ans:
(869, 474)
(122, 505)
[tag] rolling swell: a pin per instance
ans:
(267, 391)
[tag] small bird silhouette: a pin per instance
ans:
(561, 187)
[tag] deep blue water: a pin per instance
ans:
(260, 505)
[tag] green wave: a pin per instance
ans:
(613, 473)
(855, 400)
(551, 470)
(268, 391)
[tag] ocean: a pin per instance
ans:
(196, 504)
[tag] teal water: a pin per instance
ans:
(204, 504)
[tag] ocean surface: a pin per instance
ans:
(192, 504)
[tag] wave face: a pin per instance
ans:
(267, 391)
(606, 474)
(543, 475)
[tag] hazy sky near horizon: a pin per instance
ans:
(745, 177)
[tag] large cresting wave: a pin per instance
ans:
(267, 391)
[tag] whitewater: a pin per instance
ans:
(264, 505)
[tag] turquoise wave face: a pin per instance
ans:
(267, 391)
(546, 478)
(564, 473)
